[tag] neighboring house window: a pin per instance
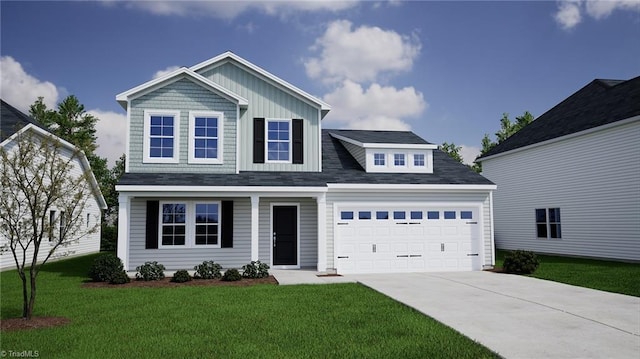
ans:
(205, 137)
(398, 159)
(207, 223)
(548, 223)
(63, 225)
(52, 224)
(161, 134)
(173, 224)
(418, 160)
(278, 141)
(88, 218)
(378, 159)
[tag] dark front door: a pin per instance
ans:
(285, 235)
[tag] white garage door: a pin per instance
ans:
(407, 239)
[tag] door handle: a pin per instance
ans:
(274, 239)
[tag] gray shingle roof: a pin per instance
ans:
(12, 120)
(397, 137)
(599, 103)
(338, 166)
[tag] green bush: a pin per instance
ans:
(105, 267)
(108, 238)
(181, 276)
(150, 271)
(231, 275)
(207, 270)
(520, 262)
(255, 269)
(120, 278)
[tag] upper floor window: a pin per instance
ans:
(548, 223)
(398, 159)
(205, 137)
(379, 159)
(418, 160)
(278, 141)
(161, 134)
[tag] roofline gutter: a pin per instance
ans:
(423, 146)
(209, 189)
(363, 187)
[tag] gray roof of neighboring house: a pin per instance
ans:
(599, 103)
(12, 120)
(397, 137)
(338, 166)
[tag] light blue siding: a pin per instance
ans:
(184, 96)
(268, 101)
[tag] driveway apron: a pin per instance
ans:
(521, 317)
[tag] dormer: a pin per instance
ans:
(388, 152)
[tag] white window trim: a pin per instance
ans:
(413, 160)
(190, 224)
(266, 140)
(192, 138)
(146, 143)
(390, 166)
(548, 224)
(384, 159)
(404, 159)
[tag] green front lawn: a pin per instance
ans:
(604, 275)
(262, 321)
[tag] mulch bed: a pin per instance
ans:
(166, 282)
(12, 324)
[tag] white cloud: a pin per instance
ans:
(469, 153)
(111, 130)
(570, 12)
(377, 107)
(360, 54)
(231, 9)
(166, 71)
(20, 89)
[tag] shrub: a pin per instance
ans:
(120, 278)
(108, 238)
(255, 269)
(150, 271)
(181, 276)
(231, 275)
(105, 267)
(520, 262)
(208, 270)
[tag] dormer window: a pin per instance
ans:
(205, 137)
(378, 159)
(161, 134)
(418, 160)
(399, 159)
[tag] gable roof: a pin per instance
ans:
(174, 76)
(338, 168)
(269, 77)
(381, 137)
(15, 122)
(601, 102)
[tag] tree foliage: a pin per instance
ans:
(43, 199)
(452, 150)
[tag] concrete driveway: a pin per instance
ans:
(521, 317)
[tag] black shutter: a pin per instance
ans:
(227, 224)
(258, 140)
(152, 225)
(298, 148)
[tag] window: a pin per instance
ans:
(399, 215)
(278, 141)
(173, 223)
(433, 215)
(207, 223)
(382, 215)
(449, 214)
(346, 215)
(205, 137)
(379, 159)
(161, 134)
(52, 224)
(416, 214)
(548, 223)
(418, 160)
(364, 215)
(466, 215)
(88, 219)
(398, 159)
(63, 225)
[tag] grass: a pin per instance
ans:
(262, 321)
(610, 276)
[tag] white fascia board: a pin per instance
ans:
(353, 187)
(174, 76)
(404, 146)
(565, 137)
(176, 191)
(262, 72)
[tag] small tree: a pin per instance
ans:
(38, 176)
(452, 150)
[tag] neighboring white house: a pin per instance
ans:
(230, 163)
(569, 182)
(12, 123)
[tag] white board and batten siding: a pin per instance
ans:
(594, 179)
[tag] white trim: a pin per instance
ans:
(266, 139)
(255, 227)
(399, 146)
(365, 187)
(125, 97)
(238, 138)
(278, 204)
(190, 223)
(127, 144)
(124, 209)
(389, 160)
(320, 140)
(146, 140)
(491, 230)
(321, 220)
(225, 57)
(219, 191)
(192, 137)
(565, 137)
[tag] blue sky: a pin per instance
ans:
(446, 70)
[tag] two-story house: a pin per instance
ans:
(227, 162)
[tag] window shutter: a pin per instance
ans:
(298, 148)
(152, 225)
(258, 140)
(227, 224)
